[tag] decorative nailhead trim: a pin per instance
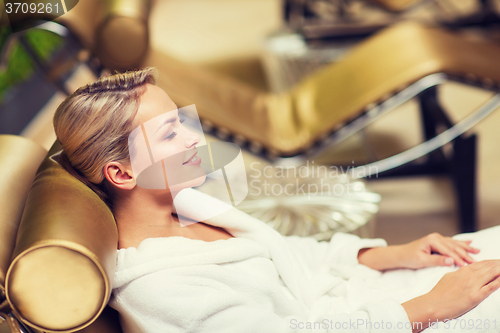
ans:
(207, 125)
(222, 133)
(239, 140)
(255, 147)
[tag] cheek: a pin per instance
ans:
(173, 159)
(170, 151)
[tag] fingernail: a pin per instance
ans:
(448, 261)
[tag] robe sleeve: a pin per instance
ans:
(342, 249)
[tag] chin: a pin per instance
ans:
(200, 182)
(191, 183)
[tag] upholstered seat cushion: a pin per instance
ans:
(289, 123)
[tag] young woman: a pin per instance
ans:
(233, 273)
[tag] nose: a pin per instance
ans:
(192, 139)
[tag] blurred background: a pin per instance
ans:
(260, 49)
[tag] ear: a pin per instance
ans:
(119, 175)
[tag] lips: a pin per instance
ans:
(192, 159)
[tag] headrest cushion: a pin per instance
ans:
(65, 255)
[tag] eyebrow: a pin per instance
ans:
(167, 121)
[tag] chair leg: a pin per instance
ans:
(433, 116)
(461, 166)
(463, 174)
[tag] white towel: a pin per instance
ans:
(260, 281)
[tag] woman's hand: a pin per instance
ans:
(431, 250)
(456, 293)
(436, 250)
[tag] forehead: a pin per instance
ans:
(153, 103)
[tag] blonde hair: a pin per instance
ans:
(93, 125)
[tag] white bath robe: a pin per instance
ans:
(260, 281)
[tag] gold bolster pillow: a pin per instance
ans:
(63, 263)
(19, 160)
(122, 39)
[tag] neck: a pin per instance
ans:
(141, 214)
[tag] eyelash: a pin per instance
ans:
(173, 134)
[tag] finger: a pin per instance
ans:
(490, 287)
(485, 265)
(464, 255)
(446, 251)
(466, 246)
(463, 250)
(489, 271)
(438, 260)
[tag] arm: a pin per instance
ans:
(184, 307)
(431, 250)
(455, 294)
(181, 306)
(342, 249)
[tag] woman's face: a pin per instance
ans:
(172, 145)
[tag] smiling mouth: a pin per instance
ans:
(192, 158)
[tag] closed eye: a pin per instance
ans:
(173, 134)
